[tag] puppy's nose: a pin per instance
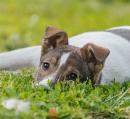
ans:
(44, 82)
(41, 84)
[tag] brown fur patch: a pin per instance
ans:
(54, 38)
(74, 64)
(95, 56)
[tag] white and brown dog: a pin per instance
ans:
(100, 56)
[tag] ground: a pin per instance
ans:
(22, 23)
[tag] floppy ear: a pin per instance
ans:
(95, 57)
(53, 38)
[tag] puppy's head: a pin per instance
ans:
(60, 61)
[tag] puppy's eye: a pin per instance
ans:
(45, 66)
(72, 76)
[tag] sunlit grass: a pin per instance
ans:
(74, 101)
(24, 21)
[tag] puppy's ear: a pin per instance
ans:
(54, 38)
(95, 57)
(94, 53)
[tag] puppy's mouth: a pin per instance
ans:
(47, 83)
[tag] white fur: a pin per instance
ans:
(120, 27)
(117, 64)
(52, 76)
(63, 59)
(45, 80)
(26, 57)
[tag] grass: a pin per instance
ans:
(75, 101)
(22, 23)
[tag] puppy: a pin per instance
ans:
(99, 56)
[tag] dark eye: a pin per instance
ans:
(72, 76)
(45, 66)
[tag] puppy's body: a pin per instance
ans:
(117, 65)
(21, 58)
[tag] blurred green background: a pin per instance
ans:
(22, 22)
